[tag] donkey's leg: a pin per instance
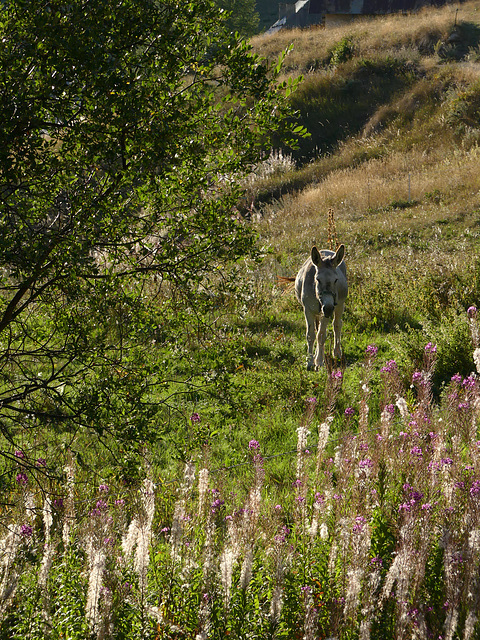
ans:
(321, 338)
(337, 330)
(311, 334)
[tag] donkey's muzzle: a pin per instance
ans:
(327, 304)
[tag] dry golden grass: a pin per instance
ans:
(363, 198)
(419, 31)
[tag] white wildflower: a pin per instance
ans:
(203, 481)
(354, 586)
(46, 565)
(8, 552)
(364, 632)
(323, 433)
(97, 567)
(29, 502)
(403, 408)
(227, 561)
(451, 623)
(470, 623)
(277, 602)
(323, 531)
(474, 540)
(69, 503)
(47, 518)
(246, 573)
(476, 359)
(130, 539)
(312, 530)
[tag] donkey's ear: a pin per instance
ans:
(316, 257)
(339, 255)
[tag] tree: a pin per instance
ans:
(125, 127)
(241, 16)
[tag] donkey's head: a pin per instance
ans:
(326, 278)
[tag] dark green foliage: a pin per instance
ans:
(241, 15)
(341, 52)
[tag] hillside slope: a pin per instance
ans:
(393, 106)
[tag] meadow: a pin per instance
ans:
(281, 503)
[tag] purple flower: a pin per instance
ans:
(41, 462)
(58, 503)
(472, 312)
(447, 461)
(120, 502)
(337, 375)
(371, 350)
(26, 531)
(430, 348)
(415, 496)
(22, 478)
(195, 417)
(253, 444)
(278, 507)
(390, 366)
(457, 378)
(390, 408)
(217, 504)
(103, 488)
(426, 507)
(416, 451)
(19, 454)
(469, 382)
(377, 561)
(312, 401)
(417, 377)
(349, 411)
(464, 405)
(475, 488)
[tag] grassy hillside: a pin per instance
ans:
(393, 108)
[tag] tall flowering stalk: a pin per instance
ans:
(370, 357)
(9, 548)
(179, 512)
(136, 541)
(69, 503)
(300, 483)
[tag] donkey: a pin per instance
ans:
(321, 287)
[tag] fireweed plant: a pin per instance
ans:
(378, 536)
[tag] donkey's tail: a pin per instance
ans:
(286, 282)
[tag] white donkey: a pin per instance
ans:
(321, 287)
